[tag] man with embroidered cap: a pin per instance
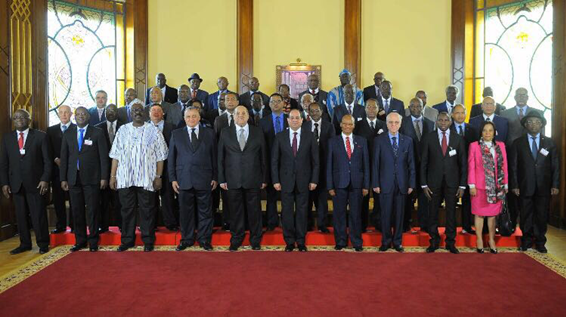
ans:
(336, 95)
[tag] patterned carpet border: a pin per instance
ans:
(31, 268)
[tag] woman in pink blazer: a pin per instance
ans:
(488, 181)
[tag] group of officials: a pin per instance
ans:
(182, 149)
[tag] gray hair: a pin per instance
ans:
(394, 113)
(303, 97)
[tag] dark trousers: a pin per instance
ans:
(422, 209)
(34, 204)
(110, 211)
(144, 200)
(353, 197)
(294, 208)
(514, 207)
(467, 219)
(200, 202)
(225, 206)
(392, 209)
(251, 198)
(365, 211)
(169, 206)
(448, 194)
(271, 207)
(89, 195)
(59, 198)
(534, 216)
(319, 199)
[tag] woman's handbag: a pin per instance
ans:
(504, 223)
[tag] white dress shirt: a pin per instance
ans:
(319, 122)
(246, 129)
(291, 134)
(25, 132)
(351, 140)
(190, 131)
(490, 117)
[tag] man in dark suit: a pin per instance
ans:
(174, 113)
(25, 171)
(294, 172)
(242, 171)
(110, 207)
(124, 115)
(169, 93)
(535, 176)
(443, 176)
(196, 92)
(84, 173)
(318, 94)
(55, 134)
(290, 103)
(372, 92)
(393, 178)
(501, 124)
(259, 110)
(428, 112)
(452, 92)
(213, 99)
(387, 103)
(369, 128)
(470, 135)
(193, 173)
(322, 131)
(271, 125)
(169, 209)
(97, 113)
(476, 109)
(348, 180)
(416, 126)
(348, 107)
(246, 98)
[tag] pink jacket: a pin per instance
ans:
(476, 172)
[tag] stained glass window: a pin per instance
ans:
(84, 53)
(513, 50)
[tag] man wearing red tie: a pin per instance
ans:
(348, 180)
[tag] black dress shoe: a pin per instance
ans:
(270, 228)
(493, 251)
(148, 248)
(452, 249)
(523, 248)
(206, 246)
(183, 245)
(383, 248)
(93, 248)
(302, 248)
(399, 249)
(19, 250)
(226, 227)
(102, 230)
(123, 248)
(339, 247)
(542, 249)
(256, 247)
(468, 231)
(77, 247)
(233, 248)
(58, 230)
(431, 249)
(173, 228)
(289, 248)
(358, 249)
(323, 230)
(43, 250)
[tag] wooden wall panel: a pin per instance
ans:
(353, 39)
(245, 57)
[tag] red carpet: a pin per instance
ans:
(222, 238)
(282, 284)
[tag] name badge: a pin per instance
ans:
(452, 153)
(88, 142)
(380, 131)
(23, 152)
(544, 152)
(359, 119)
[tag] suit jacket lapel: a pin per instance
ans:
(29, 139)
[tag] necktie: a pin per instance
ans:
(316, 131)
(521, 113)
(386, 106)
(418, 129)
(348, 147)
(21, 141)
(488, 119)
(444, 143)
(534, 149)
(64, 128)
(460, 130)
(100, 114)
(230, 120)
(81, 140)
(372, 125)
(194, 94)
(277, 124)
(395, 146)
(194, 139)
(111, 133)
(294, 144)
(349, 109)
(242, 139)
(256, 119)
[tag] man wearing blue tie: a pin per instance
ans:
(393, 178)
(348, 180)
